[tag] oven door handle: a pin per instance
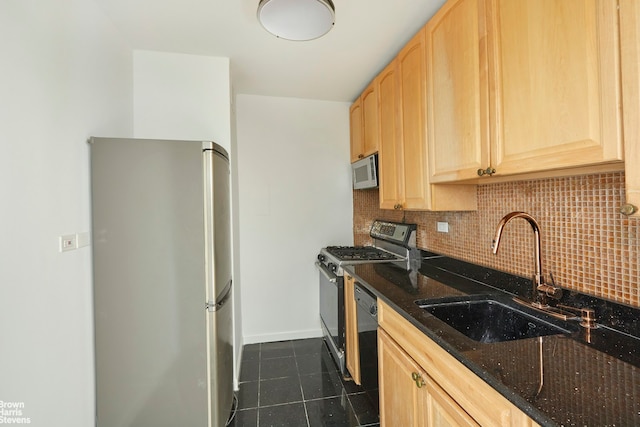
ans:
(326, 272)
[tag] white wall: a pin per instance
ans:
(65, 75)
(294, 198)
(237, 294)
(179, 96)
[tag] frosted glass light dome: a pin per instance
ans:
(297, 19)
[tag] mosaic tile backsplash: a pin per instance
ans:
(587, 245)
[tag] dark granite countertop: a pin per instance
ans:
(589, 377)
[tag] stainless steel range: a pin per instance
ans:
(392, 242)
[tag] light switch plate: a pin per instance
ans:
(68, 242)
(443, 227)
(71, 242)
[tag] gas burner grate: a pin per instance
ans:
(353, 253)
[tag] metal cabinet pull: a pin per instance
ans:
(417, 378)
(628, 209)
(488, 171)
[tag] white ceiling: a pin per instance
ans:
(366, 36)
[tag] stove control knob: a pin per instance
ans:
(332, 266)
(373, 310)
(321, 257)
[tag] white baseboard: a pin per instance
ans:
(282, 336)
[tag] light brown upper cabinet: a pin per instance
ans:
(457, 88)
(364, 124)
(411, 91)
(355, 124)
(403, 151)
(630, 62)
(390, 164)
(518, 87)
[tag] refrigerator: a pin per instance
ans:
(161, 232)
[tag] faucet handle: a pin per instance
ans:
(550, 291)
(587, 315)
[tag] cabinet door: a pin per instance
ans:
(408, 396)
(442, 410)
(457, 86)
(390, 148)
(355, 123)
(630, 63)
(470, 395)
(351, 336)
(554, 84)
(369, 120)
(402, 403)
(411, 69)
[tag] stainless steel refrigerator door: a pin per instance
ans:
(219, 284)
(149, 275)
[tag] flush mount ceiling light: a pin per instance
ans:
(297, 19)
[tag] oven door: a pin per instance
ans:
(332, 313)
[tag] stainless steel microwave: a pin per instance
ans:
(365, 172)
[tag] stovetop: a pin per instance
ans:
(360, 253)
(393, 242)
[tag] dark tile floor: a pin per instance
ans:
(297, 384)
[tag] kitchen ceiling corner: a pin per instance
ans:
(367, 34)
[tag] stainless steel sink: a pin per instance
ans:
(489, 321)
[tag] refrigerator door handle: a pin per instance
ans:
(212, 306)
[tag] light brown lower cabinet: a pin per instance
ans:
(421, 385)
(408, 396)
(352, 357)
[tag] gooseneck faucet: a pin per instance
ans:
(540, 289)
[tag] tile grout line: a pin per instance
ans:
(355, 414)
(343, 392)
(304, 401)
(259, 375)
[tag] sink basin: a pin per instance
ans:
(490, 321)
